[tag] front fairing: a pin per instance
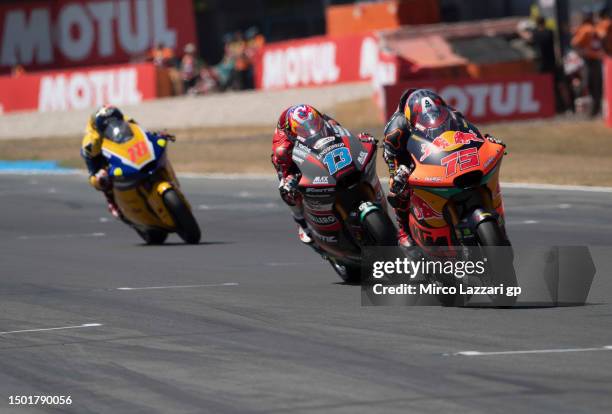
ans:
(137, 159)
(335, 171)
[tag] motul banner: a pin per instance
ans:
(485, 100)
(316, 61)
(68, 33)
(608, 91)
(78, 89)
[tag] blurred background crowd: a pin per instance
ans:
(190, 74)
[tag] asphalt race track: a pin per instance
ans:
(251, 321)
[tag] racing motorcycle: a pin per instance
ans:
(455, 200)
(344, 205)
(145, 187)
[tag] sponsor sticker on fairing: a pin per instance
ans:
(362, 157)
(322, 142)
(321, 180)
(322, 220)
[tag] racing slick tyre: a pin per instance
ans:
(349, 274)
(379, 227)
(187, 226)
(498, 252)
(152, 236)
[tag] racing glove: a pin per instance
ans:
(367, 138)
(100, 180)
(288, 189)
(399, 190)
(165, 135)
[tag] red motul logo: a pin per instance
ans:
(79, 90)
(78, 30)
(501, 99)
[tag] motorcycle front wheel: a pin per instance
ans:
(152, 236)
(187, 226)
(379, 227)
(498, 251)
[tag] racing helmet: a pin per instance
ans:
(306, 122)
(426, 110)
(109, 122)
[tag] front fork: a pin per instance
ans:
(465, 226)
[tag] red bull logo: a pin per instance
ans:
(422, 210)
(448, 141)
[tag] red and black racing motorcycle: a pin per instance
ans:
(344, 205)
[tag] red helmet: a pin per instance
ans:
(426, 110)
(305, 121)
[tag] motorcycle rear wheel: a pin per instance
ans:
(187, 226)
(349, 274)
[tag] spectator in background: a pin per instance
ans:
(588, 44)
(542, 39)
(168, 80)
(255, 41)
(241, 63)
(17, 71)
(604, 30)
(162, 56)
(189, 67)
(208, 81)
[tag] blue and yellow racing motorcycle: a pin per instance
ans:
(145, 186)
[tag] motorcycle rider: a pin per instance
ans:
(105, 123)
(298, 122)
(427, 112)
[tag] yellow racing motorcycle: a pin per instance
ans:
(145, 186)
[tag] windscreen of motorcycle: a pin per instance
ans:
(134, 155)
(322, 161)
(433, 145)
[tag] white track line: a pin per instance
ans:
(61, 236)
(85, 325)
(538, 186)
(177, 286)
(531, 351)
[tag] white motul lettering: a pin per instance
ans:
(308, 64)
(368, 60)
(479, 95)
(455, 97)
(292, 65)
(88, 89)
(99, 83)
(129, 86)
(304, 65)
(273, 65)
(79, 91)
(26, 41)
(498, 105)
(103, 13)
(137, 40)
(332, 70)
(79, 48)
(162, 34)
(52, 94)
(528, 103)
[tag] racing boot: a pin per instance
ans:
(404, 237)
(303, 231)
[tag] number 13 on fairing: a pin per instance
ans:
(337, 159)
